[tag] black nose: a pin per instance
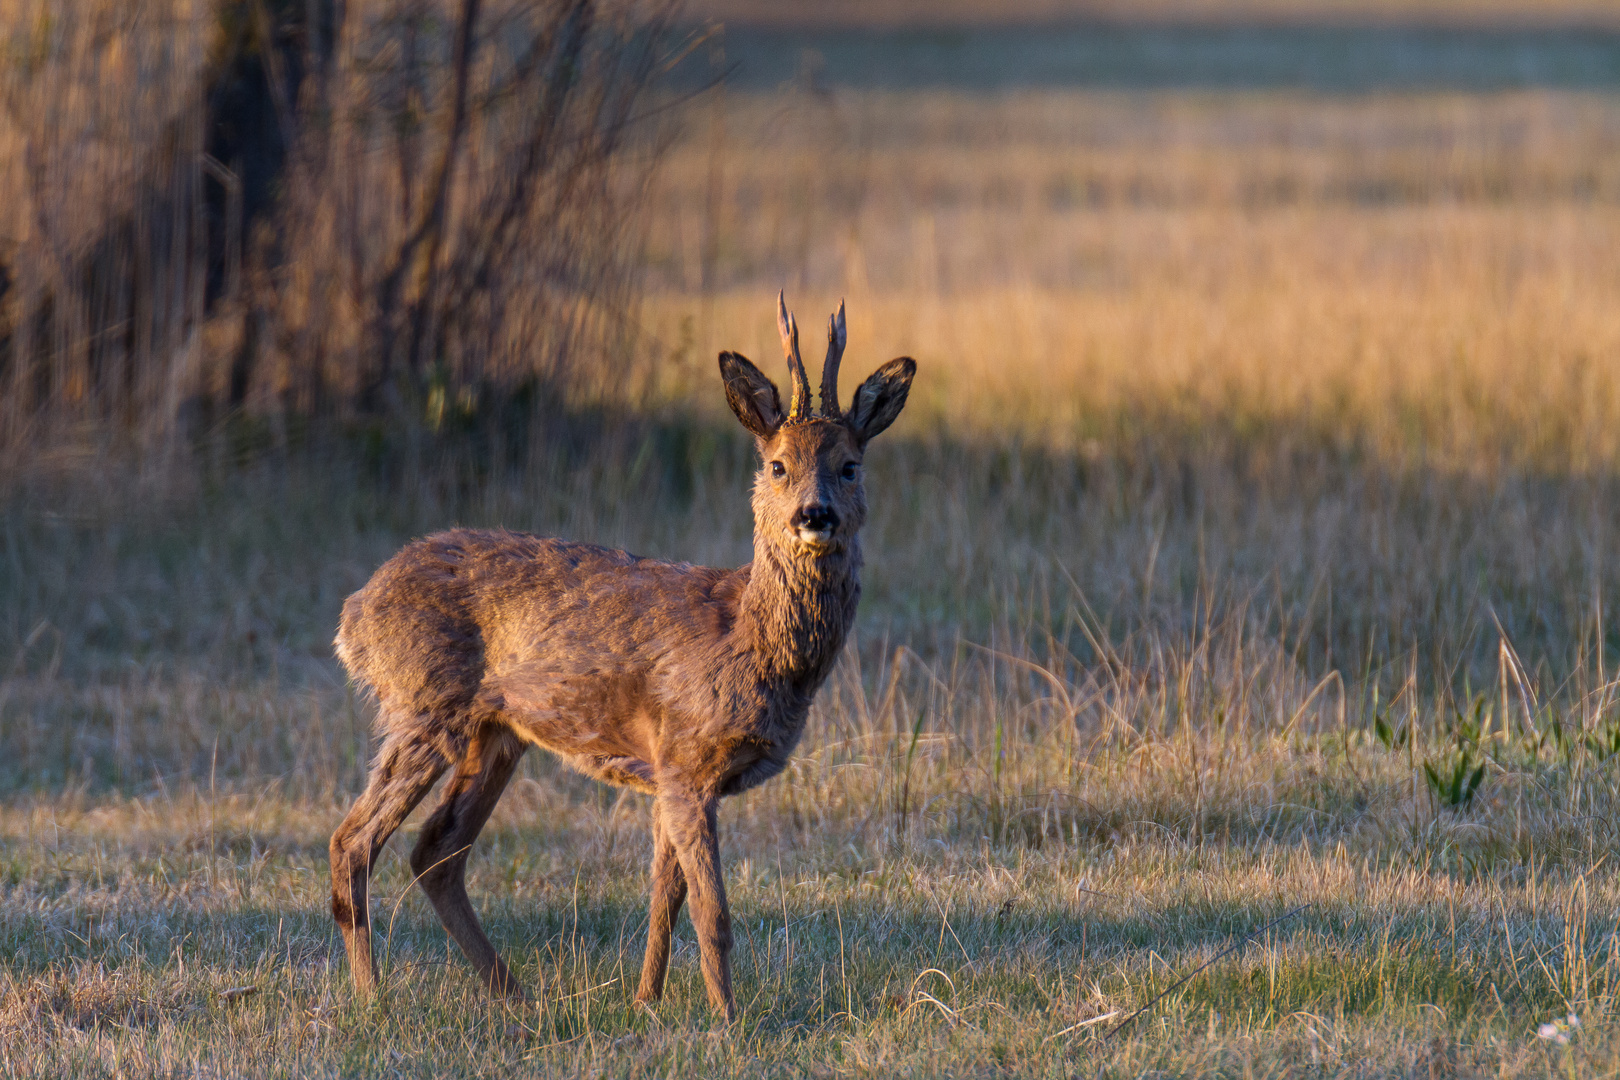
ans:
(815, 516)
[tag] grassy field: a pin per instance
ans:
(1245, 552)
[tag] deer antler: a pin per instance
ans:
(799, 403)
(836, 336)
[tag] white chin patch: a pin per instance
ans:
(815, 537)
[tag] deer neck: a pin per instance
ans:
(798, 608)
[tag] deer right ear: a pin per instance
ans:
(751, 395)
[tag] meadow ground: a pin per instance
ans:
(1243, 554)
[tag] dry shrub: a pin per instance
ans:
(458, 225)
(419, 204)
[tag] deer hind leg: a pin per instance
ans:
(690, 821)
(440, 857)
(668, 894)
(406, 768)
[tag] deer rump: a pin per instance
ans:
(623, 667)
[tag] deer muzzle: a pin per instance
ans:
(815, 524)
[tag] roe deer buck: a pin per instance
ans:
(685, 682)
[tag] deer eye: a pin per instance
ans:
(778, 469)
(848, 471)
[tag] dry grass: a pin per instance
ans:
(1427, 279)
(988, 901)
(1262, 456)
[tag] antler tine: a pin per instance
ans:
(799, 403)
(836, 337)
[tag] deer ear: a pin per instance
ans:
(881, 397)
(751, 395)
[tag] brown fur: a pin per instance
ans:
(685, 682)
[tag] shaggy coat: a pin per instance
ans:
(685, 682)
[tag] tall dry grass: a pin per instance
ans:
(1407, 278)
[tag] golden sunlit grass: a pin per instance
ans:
(1246, 546)
(1428, 278)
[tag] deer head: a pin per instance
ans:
(809, 493)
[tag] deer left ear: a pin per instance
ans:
(881, 397)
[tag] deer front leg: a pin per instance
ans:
(668, 894)
(689, 820)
